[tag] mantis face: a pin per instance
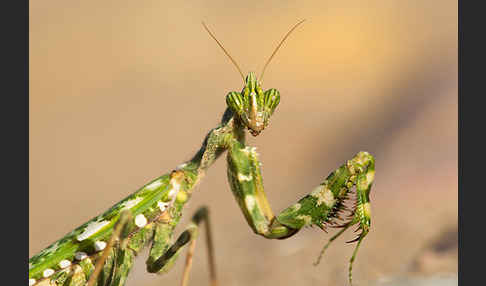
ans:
(253, 106)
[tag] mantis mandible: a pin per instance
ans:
(101, 251)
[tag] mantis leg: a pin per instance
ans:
(111, 264)
(209, 241)
(162, 256)
(323, 207)
(109, 249)
(115, 261)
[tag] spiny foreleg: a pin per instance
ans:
(323, 207)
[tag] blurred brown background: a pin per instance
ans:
(124, 91)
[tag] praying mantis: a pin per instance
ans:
(101, 251)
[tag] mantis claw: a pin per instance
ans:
(339, 225)
(354, 240)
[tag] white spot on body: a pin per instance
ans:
(250, 151)
(31, 282)
(296, 207)
(48, 272)
(181, 166)
(247, 150)
(154, 185)
(175, 188)
(162, 205)
(261, 226)
(92, 228)
(140, 220)
(242, 177)
(250, 202)
(64, 263)
(306, 218)
(131, 203)
(172, 193)
(80, 255)
(323, 195)
(99, 245)
(51, 248)
(327, 198)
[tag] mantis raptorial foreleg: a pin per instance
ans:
(323, 207)
(103, 249)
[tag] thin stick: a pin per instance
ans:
(212, 264)
(124, 217)
(276, 49)
(224, 50)
(201, 214)
(188, 265)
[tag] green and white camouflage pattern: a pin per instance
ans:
(152, 212)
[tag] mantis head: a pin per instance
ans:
(253, 106)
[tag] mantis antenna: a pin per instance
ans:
(276, 49)
(224, 50)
